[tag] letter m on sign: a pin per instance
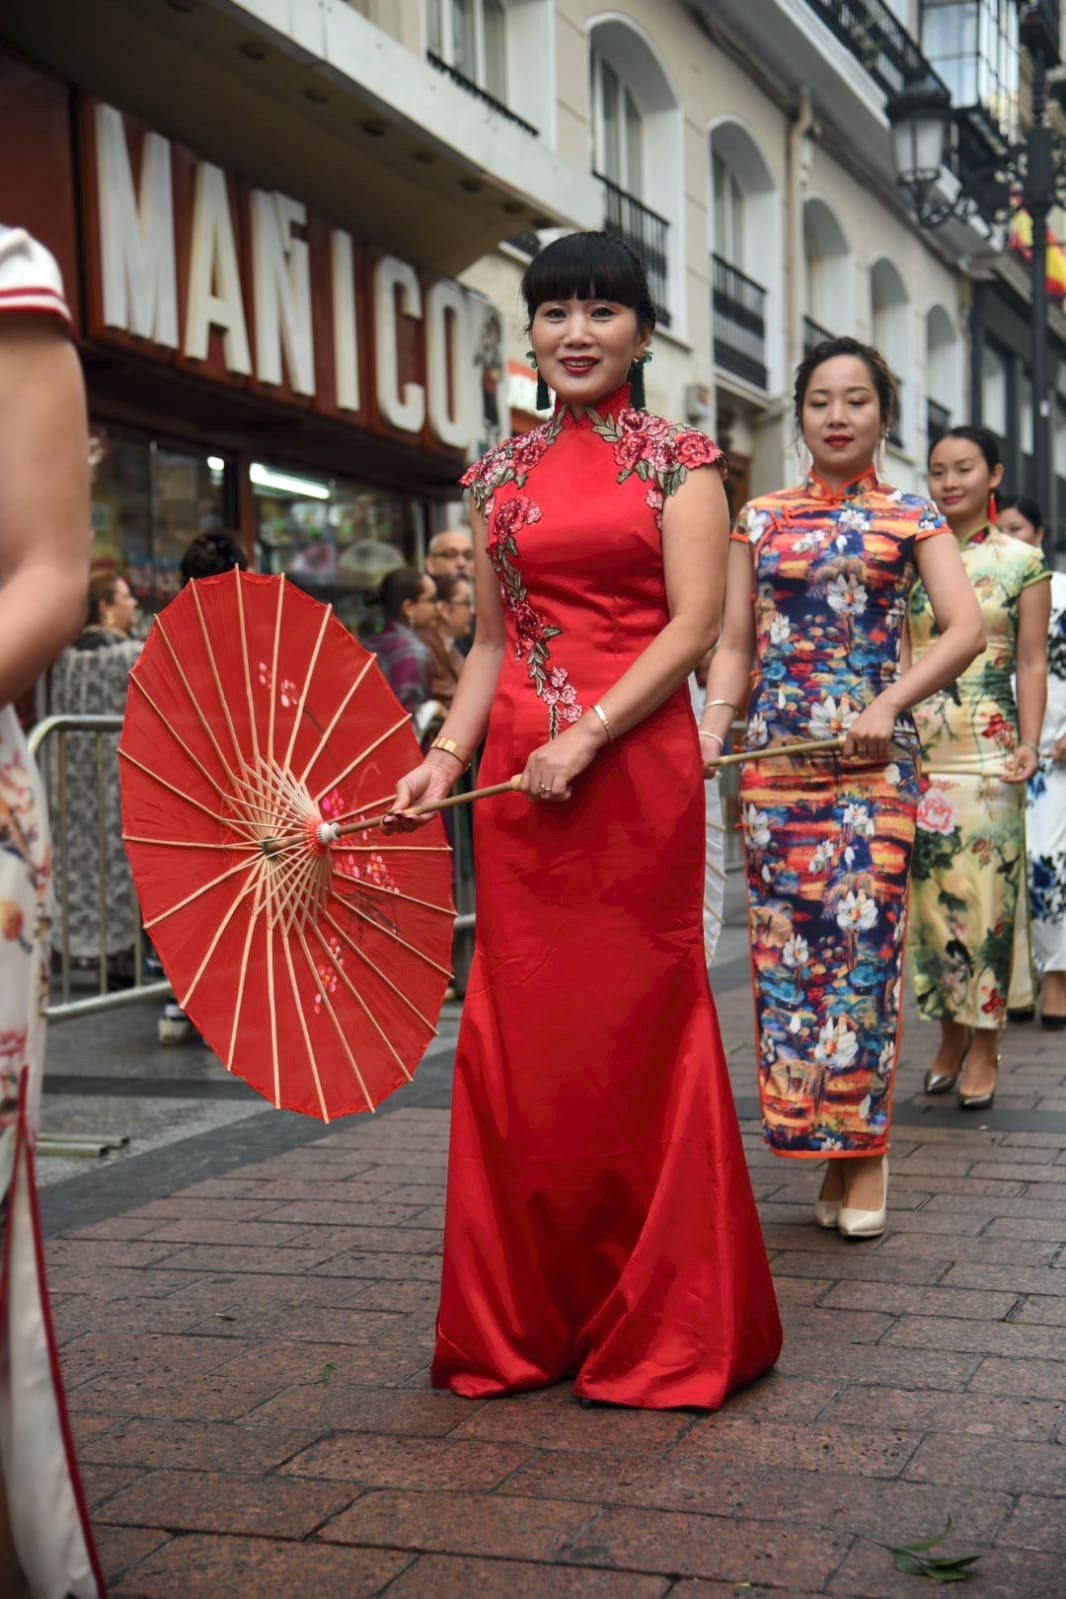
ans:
(138, 267)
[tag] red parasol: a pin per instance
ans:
(312, 954)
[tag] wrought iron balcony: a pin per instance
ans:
(813, 333)
(646, 232)
(876, 38)
(895, 432)
(937, 420)
(480, 94)
(738, 307)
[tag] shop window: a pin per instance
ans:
(335, 538)
(149, 501)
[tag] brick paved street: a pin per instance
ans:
(247, 1368)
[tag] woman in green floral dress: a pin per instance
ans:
(979, 746)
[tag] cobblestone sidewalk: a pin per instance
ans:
(247, 1359)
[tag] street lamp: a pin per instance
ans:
(1029, 176)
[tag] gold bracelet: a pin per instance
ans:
(727, 703)
(705, 732)
(450, 747)
(602, 714)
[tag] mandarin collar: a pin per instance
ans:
(589, 415)
(978, 536)
(819, 489)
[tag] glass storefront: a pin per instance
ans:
(148, 502)
(334, 537)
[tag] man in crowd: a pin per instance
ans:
(451, 554)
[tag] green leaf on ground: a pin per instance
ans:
(915, 1561)
(326, 1373)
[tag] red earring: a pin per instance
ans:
(993, 509)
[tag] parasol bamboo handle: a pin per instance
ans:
(811, 746)
(330, 832)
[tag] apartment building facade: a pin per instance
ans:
(422, 148)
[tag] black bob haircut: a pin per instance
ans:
(589, 266)
(1025, 507)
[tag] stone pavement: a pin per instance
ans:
(247, 1353)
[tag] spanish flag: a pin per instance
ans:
(1021, 239)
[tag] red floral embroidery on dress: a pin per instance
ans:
(512, 462)
(658, 452)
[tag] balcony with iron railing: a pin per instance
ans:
(646, 232)
(937, 420)
(479, 93)
(738, 307)
(813, 333)
(895, 431)
(877, 38)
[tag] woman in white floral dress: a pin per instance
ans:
(46, 1547)
(1021, 518)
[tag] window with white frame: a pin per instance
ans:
(973, 44)
(470, 37)
(617, 129)
(994, 397)
(728, 213)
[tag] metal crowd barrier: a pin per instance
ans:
(57, 730)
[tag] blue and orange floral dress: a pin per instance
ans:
(828, 843)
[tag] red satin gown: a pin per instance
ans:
(600, 1222)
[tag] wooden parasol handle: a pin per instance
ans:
(811, 746)
(336, 831)
(331, 832)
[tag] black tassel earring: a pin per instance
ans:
(637, 397)
(544, 398)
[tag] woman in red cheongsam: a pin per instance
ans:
(600, 1221)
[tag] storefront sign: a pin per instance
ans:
(193, 267)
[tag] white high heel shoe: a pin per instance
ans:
(827, 1211)
(866, 1223)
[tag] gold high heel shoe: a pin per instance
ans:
(939, 1082)
(979, 1101)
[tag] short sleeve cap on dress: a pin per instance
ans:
(30, 280)
(1036, 569)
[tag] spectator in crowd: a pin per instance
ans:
(208, 555)
(451, 554)
(452, 621)
(90, 679)
(408, 599)
(211, 554)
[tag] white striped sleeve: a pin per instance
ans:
(30, 280)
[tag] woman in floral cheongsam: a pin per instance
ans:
(1046, 802)
(46, 1547)
(980, 747)
(816, 597)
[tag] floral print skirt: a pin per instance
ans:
(969, 861)
(45, 1504)
(1047, 865)
(828, 855)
